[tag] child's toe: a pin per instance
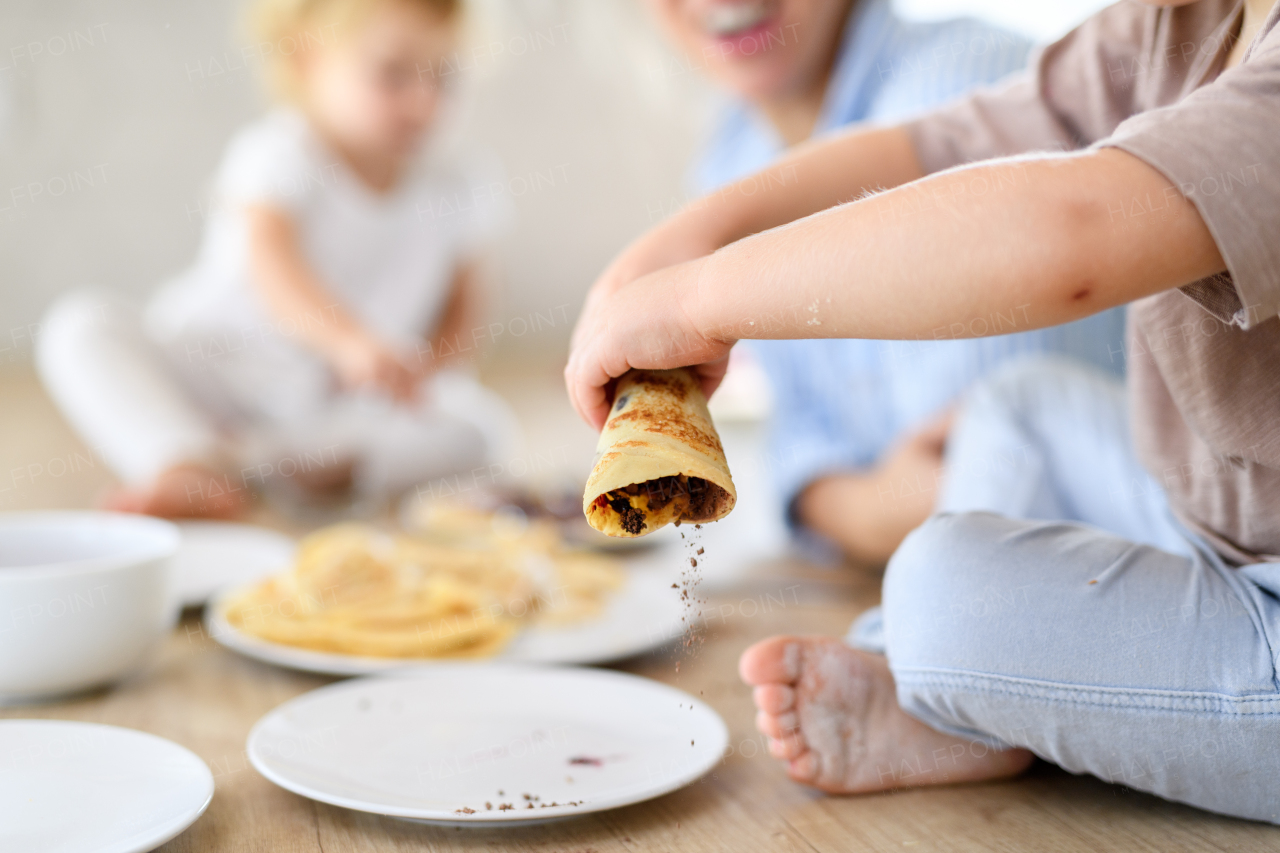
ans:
(804, 766)
(772, 661)
(787, 747)
(774, 698)
(777, 725)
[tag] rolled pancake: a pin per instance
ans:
(659, 458)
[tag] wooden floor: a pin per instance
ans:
(206, 698)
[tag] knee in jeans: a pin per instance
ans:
(932, 559)
(944, 581)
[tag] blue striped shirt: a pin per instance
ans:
(839, 404)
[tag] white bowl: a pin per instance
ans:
(84, 597)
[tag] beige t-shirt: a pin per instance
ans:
(1204, 360)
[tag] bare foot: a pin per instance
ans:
(184, 491)
(832, 714)
(332, 480)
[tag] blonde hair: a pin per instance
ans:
(289, 27)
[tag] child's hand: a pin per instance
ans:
(673, 242)
(364, 362)
(647, 323)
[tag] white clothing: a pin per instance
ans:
(141, 415)
(208, 374)
(388, 259)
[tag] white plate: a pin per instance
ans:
(85, 788)
(425, 744)
(215, 554)
(643, 614)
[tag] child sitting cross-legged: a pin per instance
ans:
(1109, 602)
(309, 342)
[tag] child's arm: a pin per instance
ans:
(455, 333)
(1047, 244)
(811, 177)
(292, 291)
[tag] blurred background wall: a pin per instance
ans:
(113, 114)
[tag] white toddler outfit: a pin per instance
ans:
(206, 372)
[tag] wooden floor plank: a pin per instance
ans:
(200, 695)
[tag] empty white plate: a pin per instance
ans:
(643, 614)
(454, 743)
(85, 788)
(215, 554)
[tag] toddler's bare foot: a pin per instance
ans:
(831, 712)
(188, 490)
(326, 481)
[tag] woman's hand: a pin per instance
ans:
(868, 513)
(647, 323)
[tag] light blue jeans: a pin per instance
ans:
(1055, 604)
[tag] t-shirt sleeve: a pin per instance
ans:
(274, 163)
(1220, 145)
(1073, 92)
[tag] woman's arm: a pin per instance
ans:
(868, 513)
(993, 248)
(292, 291)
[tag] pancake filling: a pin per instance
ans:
(665, 499)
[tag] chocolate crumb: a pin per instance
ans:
(1091, 583)
(464, 810)
(529, 806)
(630, 518)
(500, 792)
(701, 551)
(693, 561)
(488, 806)
(588, 760)
(505, 807)
(675, 586)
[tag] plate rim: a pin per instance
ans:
(160, 833)
(515, 816)
(208, 592)
(333, 663)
